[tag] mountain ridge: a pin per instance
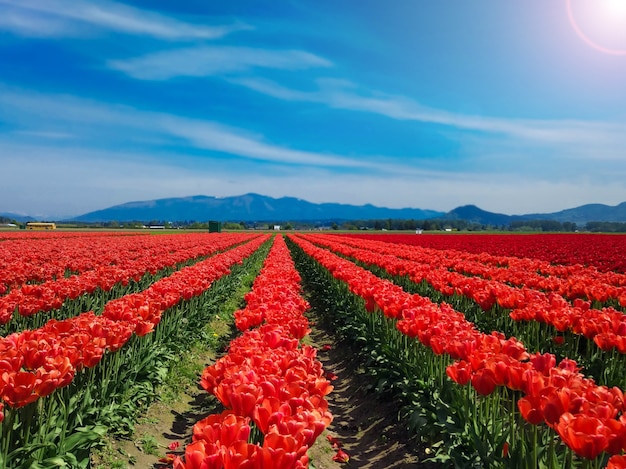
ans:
(249, 207)
(580, 215)
(254, 207)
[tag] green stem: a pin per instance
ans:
(7, 428)
(535, 435)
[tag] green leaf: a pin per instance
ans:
(82, 437)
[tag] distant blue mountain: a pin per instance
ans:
(579, 215)
(260, 208)
(248, 208)
(586, 213)
(16, 216)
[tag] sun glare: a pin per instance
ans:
(601, 24)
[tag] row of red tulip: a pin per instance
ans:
(606, 252)
(113, 269)
(50, 235)
(550, 267)
(40, 259)
(267, 378)
(589, 418)
(606, 326)
(572, 282)
(33, 363)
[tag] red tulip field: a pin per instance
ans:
(499, 351)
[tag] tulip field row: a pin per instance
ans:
(495, 359)
(563, 302)
(605, 252)
(267, 377)
(112, 261)
(56, 377)
(524, 380)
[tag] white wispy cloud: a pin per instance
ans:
(606, 138)
(74, 17)
(45, 134)
(71, 181)
(29, 114)
(82, 146)
(213, 60)
(216, 137)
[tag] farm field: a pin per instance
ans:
(502, 351)
(605, 252)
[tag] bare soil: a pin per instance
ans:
(367, 428)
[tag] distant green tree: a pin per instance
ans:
(606, 227)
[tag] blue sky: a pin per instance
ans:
(517, 107)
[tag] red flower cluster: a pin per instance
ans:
(606, 326)
(101, 263)
(606, 252)
(144, 309)
(275, 297)
(28, 258)
(267, 378)
(589, 418)
(33, 363)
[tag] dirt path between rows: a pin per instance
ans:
(367, 428)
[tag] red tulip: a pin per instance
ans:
(341, 456)
(505, 450)
(616, 462)
(530, 408)
(587, 436)
(484, 381)
(18, 388)
(460, 372)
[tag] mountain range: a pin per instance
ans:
(260, 208)
(247, 208)
(579, 215)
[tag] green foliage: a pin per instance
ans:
(435, 410)
(606, 227)
(94, 301)
(605, 367)
(149, 445)
(60, 430)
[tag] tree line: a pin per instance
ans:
(371, 224)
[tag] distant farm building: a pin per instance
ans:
(40, 226)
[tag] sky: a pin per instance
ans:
(516, 107)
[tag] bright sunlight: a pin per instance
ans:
(601, 24)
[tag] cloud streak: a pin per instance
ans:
(87, 143)
(99, 179)
(79, 17)
(216, 137)
(214, 60)
(25, 111)
(608, 137)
